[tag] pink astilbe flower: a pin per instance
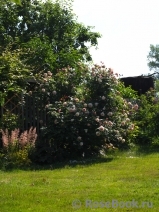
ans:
(14, 136)
(10, 139)
(32, 136)
(23, 139)
(5, 138)
(27, 137)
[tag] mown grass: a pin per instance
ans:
(121, 177)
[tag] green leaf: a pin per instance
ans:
(16, 1)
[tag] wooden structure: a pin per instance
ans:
(29, 110)
(141, 84)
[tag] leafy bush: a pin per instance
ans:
(87, 117)
(147, 119)
(17, 147)
(9, 121)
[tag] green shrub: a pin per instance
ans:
(147, 119)
(9, 121)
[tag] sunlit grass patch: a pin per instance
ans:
(122, 178)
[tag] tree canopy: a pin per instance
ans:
(153, 58)
(46, 30)
(38, 36)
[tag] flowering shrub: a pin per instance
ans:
(17, 147)
(87, 114)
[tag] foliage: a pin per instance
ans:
(147, 118)
(9, 121)
(17, 147)
(89, 110)
(157, 85)
(38, 37)
(14, 74)
(128, 92)
(2, 98)
(153, 58)
(52, 26)
(16, 1)
(87, 114)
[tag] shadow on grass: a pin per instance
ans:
(138, 150)
(72, 163)
(146, 150)
(60, 165)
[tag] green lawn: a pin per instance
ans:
(117, 178)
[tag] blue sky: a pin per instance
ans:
(128, 27)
